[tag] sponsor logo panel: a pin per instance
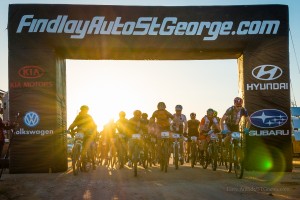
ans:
(31, 72)
(267, 73)
(32, 119)
(266, 132)
(146, 25)
(30, 84)
(268, 118)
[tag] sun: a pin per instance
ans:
(103, 90)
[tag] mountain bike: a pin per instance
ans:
(77, 152)
(121, 150)
(145, 153)
(213, 151)
(83, 157)
(176, 149)
(165, 151)
(204, 158)
(136, 139)
(238, 153)
(152, 150)
(194, 151)
(112, 153)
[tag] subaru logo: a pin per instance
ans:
(31, 119)
(267, 72)
(268, 118)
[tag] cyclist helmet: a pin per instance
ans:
(209, 111)
(122, 114)
(215, 113)
(161, 106)
(144, 115)
(238, 101)
(137, 113)
(193, 114)
(178, 107)
(84, 107)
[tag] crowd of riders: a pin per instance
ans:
(115, 137)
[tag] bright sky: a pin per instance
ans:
(111, 86)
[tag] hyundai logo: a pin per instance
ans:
(267, 72)
(268, 118)
(31, 119)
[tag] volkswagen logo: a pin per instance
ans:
(268, 118)
(267, 72)
(31, 119)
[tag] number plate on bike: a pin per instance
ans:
(136, 136)
(194, 138)
(213, 137)
(79, 136)
(236, 135)
(165, 134)
(175, 135)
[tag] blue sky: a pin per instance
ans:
(187, 84)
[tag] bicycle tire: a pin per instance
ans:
(176, 156)
(75, 159)
(193, 155)
(239, 163)
(214, 160)
(229, 159)
(166, 156)
(135, 160)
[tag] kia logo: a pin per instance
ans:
(31, 119)
(268, 118)
(267, 72)
(31, 72)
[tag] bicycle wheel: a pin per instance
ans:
(176, 156)
(162, 158)
(193, 155)
(146, 157)
(75, 159)
(220, 156)
(228, 158)
(166, 156)
(238, 158)
(205, 159)
(135, 160)
(214, 157)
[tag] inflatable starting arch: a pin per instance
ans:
(41, 37)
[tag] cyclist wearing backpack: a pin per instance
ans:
(232, 117)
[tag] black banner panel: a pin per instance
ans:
(41, 36)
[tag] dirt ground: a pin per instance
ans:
(184, 183)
